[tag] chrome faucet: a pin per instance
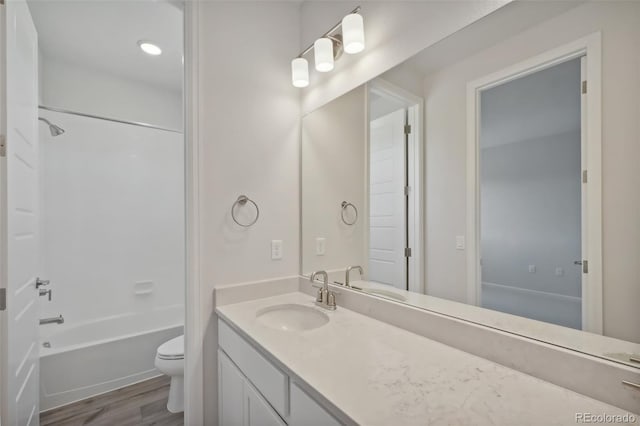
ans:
(349, 269)
(54, 320)
(43, 292)
(325, 298)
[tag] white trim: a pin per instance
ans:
(194, 333)
(4, 402)
(591, 46)
(533, 293)
(415, 107)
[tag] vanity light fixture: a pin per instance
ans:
(323, 53)
(300, 72)
(353, 33)
(329, 48)
(149, 48)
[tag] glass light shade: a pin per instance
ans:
(300, 72)
(149, 48)
(323, 52)
(353, 33)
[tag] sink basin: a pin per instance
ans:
(386, 293)
(292, 317)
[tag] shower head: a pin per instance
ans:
(53, 129)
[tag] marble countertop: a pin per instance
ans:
(378, 374)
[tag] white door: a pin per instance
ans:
(387, 201)
(20, 174)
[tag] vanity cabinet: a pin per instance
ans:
(252, 391)
(240, 403)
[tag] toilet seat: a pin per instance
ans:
(172, 349)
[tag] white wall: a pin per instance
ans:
(530, 213)
(250, 136)
(333, 170)
(394, 31)
(445, 94)
(113, 218)
(78, 88)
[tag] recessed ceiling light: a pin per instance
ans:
(149, 48)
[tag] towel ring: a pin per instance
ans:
(345, 206)
(241, 201)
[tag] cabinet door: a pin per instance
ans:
(230, 392)
(307, 412)
(258, 411)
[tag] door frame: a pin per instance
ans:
(196, 294)
(415, 220)
(194, 363)
(591, 47)
(4, 401)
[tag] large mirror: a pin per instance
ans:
(493, 177)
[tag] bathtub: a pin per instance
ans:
(85, 359)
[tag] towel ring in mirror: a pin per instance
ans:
(345, 206)
(242, 201)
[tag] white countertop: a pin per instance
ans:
(378, 374)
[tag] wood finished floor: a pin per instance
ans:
(144, 403)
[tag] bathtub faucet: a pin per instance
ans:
(55, 320)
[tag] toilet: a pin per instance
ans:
(170, 360)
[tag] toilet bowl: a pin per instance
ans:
(170, 361)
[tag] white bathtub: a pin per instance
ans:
(82, 360)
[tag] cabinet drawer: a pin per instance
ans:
(268, 379)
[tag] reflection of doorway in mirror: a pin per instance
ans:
(530, 196)
(393, 189)
(534, 188)
(388, 225)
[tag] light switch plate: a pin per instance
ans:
(460, 244)
(321, 246)
(532, 269)
(276, 249)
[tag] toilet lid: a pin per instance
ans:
(173, 348)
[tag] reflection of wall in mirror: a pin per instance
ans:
(446, 102)
(530, 215)
(333, 171)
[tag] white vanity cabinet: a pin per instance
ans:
(252, 391)
(240, 402)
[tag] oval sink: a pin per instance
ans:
(292, 317)
(386, 293)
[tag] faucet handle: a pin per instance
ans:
(43, 292)
(42, 283)
(331, 300)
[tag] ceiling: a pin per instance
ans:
(103, 35)
(532, 107)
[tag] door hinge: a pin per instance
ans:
(407, 189)
(3, 146)
(3, 299)
(585, 266)
(407, 129)
(585, 176)
(407, 252)
(584, 87)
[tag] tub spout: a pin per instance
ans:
(55, 320)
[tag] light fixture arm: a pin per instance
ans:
(335, 38)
